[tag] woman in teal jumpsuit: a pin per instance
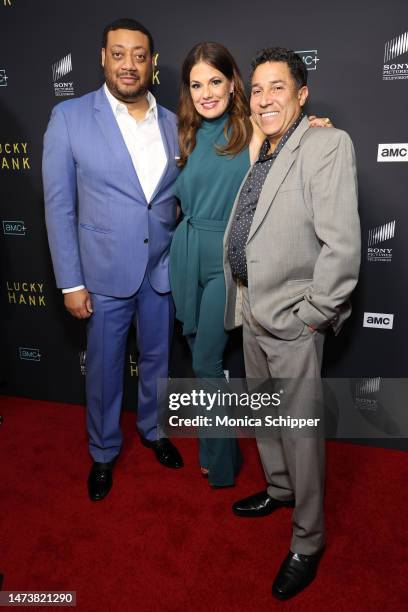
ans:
(206, 188)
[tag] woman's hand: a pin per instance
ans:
(258, 138)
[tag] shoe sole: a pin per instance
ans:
(248, 514)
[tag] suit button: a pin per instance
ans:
(149, 206)
(146, 240)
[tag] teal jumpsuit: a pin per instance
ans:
(206, 188)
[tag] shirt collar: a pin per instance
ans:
(118, 107)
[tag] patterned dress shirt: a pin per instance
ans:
(247, 203)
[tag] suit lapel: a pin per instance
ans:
(113, 136)
(277, 174)
(234, 207)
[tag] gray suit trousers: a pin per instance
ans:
(293, 465)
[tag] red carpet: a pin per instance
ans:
(163, 541)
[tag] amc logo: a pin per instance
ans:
(3, 78)
(392, 152)
(29, 354)
(378, 320)
(309, 58)
(14, 228)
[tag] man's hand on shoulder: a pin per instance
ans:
(78, 303)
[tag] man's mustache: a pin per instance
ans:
(130, 73)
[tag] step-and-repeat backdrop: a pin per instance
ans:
(357, 57)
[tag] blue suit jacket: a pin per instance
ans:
(96, 212)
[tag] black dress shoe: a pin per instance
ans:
(259, 504)
(100, 480)
(166, 453)
(295, 574)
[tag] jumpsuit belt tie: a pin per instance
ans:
(192, 227)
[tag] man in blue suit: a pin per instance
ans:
(109, 166)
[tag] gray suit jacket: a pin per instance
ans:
(303, 249)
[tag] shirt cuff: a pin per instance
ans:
(72, 289)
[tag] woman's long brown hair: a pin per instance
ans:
(238, 128)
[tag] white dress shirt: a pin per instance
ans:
(144, 143)
(143, 140)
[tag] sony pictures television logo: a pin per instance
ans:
(62, 86)
(309, 58)
(29, 354)
(14, 228)
(394, 49)
(3, 77)
(366, 393)
(377, 236)
(378, 320)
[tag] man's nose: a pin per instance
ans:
(266, 98)
(129, 61)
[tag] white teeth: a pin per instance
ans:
(271, 114)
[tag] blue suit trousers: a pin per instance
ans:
(152, 314)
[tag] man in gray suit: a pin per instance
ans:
(291, 257)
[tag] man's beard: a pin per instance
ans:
(124, 93)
